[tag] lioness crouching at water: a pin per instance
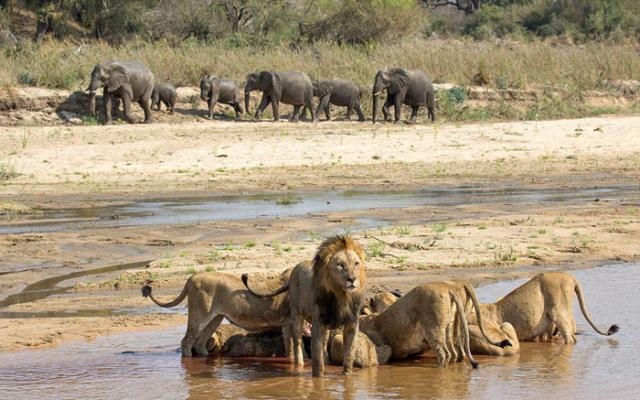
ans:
(423, 318)
(329, 291)
(543, 306)
(478, 344)
(214, 296)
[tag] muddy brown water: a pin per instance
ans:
(147, 365)
(231, 208)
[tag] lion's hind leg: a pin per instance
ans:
(563, 325)
(207, 332)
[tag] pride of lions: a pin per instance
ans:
(346, 328)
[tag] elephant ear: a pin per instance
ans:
(398, 79)
(118, 78)
(323, 89)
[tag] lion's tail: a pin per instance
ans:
(464, 328)
(583, 307)
(146, 292)
(472, 295)
(282, 289)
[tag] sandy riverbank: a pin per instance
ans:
(65, 167)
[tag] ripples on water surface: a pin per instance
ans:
(148, 366)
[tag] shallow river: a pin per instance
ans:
(148, 366)
(231, 208)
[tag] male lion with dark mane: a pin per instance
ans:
(338, 290)
(328, 291)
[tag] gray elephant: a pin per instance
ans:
(288, 87)
(339, 92)
(127, 81)
(214, 89)
(410, 87)
(166, 94)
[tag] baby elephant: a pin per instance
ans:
(164, 93)
(214, 89)
(339, 92)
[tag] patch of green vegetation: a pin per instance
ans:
(508, 256)
(404, 230)
(375, 249)
(288, 199)
(277, 247)
(439, 228)
(7, 170)
(10, 207)
(250, 244)
(214, 255)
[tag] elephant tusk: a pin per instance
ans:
(377, 93)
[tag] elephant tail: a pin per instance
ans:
(464, 328)
(583, 307)
(282, 289)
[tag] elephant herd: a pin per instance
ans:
(129, 82)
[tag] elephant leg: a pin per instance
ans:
(303, 112)
(238, 109)
(275, 108)
(294, 116)
(323, 105)
(414, 114)
(397, 106)
(126, 109)
(211, 103)
(359, 112)
(309, 104)
(106, 99)
(144, 103)
(264, 102)
(349, 112)
(385, 107)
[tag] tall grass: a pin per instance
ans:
(499, 63)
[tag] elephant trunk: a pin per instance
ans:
(247, 94)
(92, 103)
(375, 107)
(378, 87)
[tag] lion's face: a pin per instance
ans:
(346, 267)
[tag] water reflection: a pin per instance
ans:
(148, 365)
